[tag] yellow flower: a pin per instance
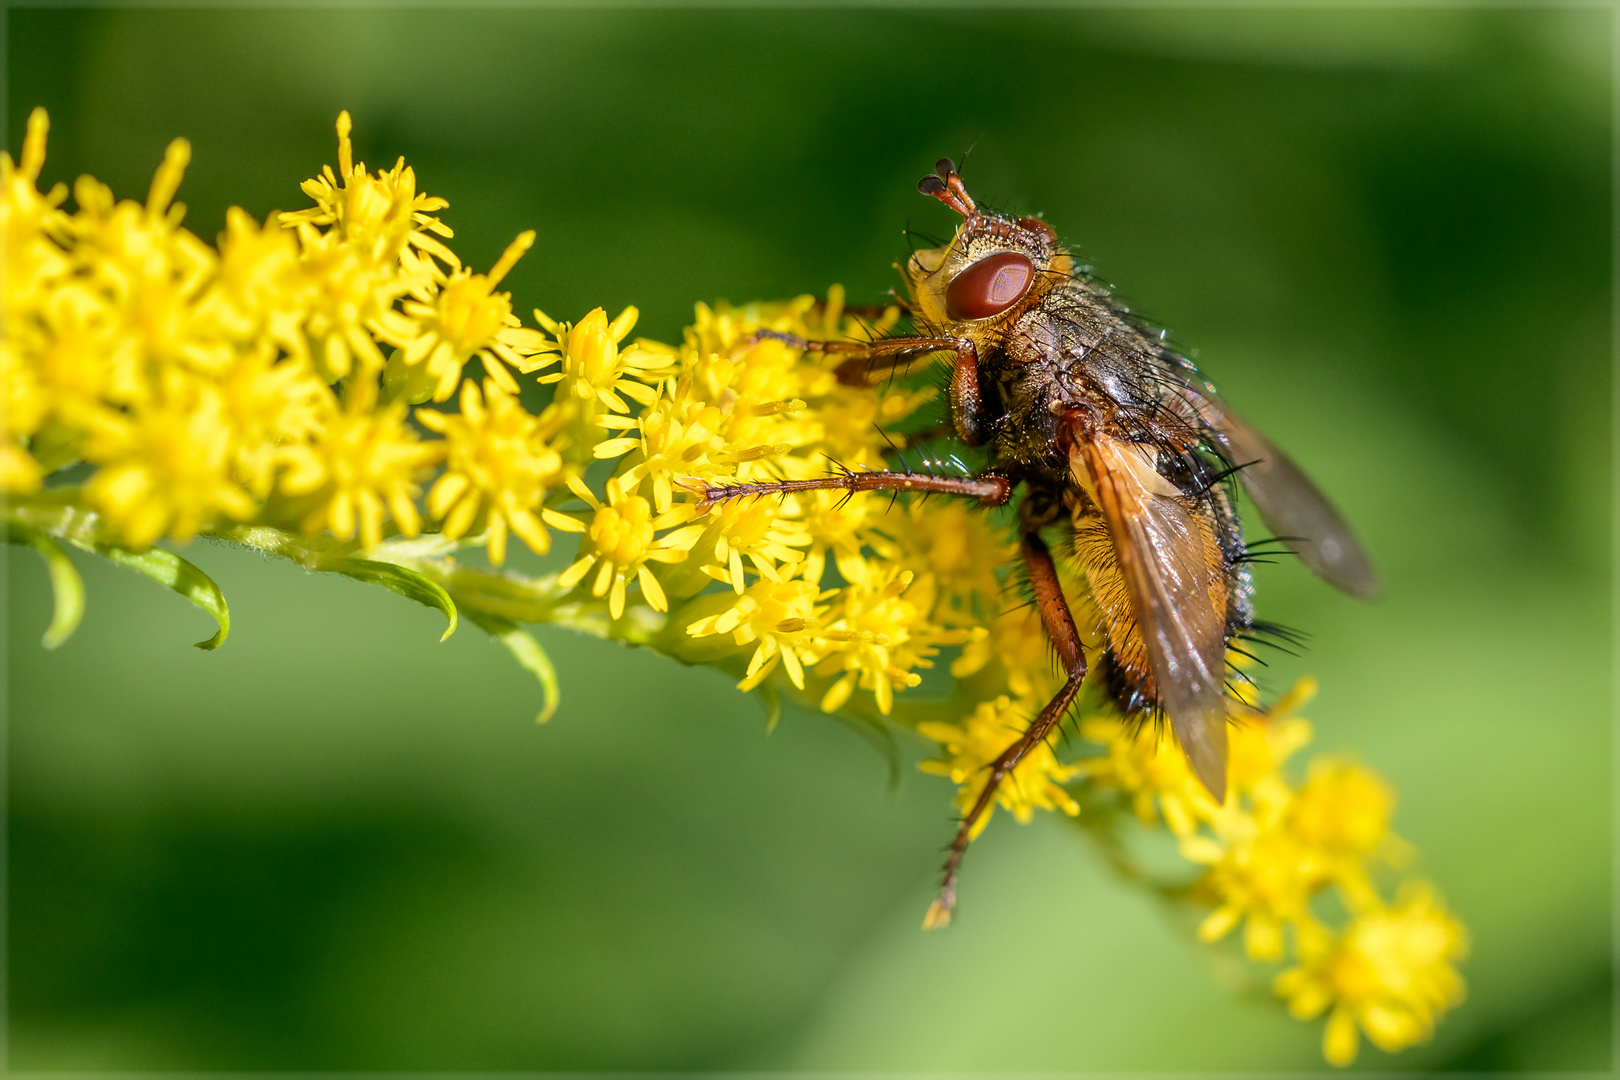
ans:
(876, 633)
(362, 466)
(1390, 974)
(166, 465)
(379, 243)
(679, 443)
(500, 460)
(349, 305)
(1142, 761)
(261, 289)
(29, 221)
(83, 357)
(853, 417)
(753, 529)
(1267, 877)
(150, 271)
(462, 319)
(970, 748)
(1342, 808)
(845, 528)
(382, 217)
(1259, 743)
(962, 548)
(781, 616)
(620, 543)
(21, 408)
(1343, 812)
(595, 371)
(270, 404)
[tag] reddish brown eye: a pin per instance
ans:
(989, 287)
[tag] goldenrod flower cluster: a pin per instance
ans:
(1272, 852)
(307, 388)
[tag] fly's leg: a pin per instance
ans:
(967, 401)
(875, 356)
(1059, 623)
(989, 489)
(794, 341)
(874, 312)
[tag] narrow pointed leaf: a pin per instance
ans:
(168, 569)
(395, 578)
(881, 739)
(67, 588)
(771, 698)
(528, 653)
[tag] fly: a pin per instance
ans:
(1116, 439)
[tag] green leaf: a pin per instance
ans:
(67, 587)
(527, 652)
(167, 568)
(771, 698)
(395, 578)
(880, 738)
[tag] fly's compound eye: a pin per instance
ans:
(989, 287)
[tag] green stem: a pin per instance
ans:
(492, 597)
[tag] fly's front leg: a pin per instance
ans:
(967, 402)
(1059, 624)
(794, 341)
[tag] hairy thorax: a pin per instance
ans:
(1075, 354)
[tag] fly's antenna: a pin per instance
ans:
(945, 184)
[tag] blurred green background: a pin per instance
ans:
(337, 844)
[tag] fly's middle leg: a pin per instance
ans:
(990, 489)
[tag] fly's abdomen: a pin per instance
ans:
(1211, 553)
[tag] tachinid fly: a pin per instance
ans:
(1113, 437)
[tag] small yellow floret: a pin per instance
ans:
(1036, 783)
(501, 462)
(620, 542)
(1391, 974)
(362, 467)
(381, 216)
(1342, 808)
(1142, 761)
(596, 374)
(782, 616)
(461, 319)
(166, 466)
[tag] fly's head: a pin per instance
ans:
(994, 268)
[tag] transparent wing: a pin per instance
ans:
(1174, 576)
(1290, 505)
(1299, 514)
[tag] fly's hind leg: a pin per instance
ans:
(1059, 624)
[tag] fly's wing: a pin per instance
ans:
(1289, 504)
(1173, 575)
(1297, 512)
